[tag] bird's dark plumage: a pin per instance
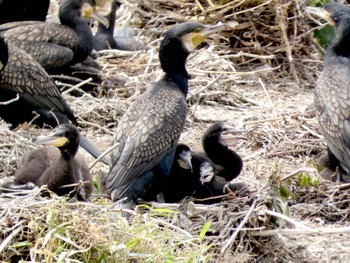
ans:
(207, 179)
(215, 143)
(23, 10)
(56, 167)
(182, 181)
(55, 45)
(104, 38)
(37, 92)
(332, 92)
(150, 129)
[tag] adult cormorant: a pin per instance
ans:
(22, 76)
(56, 45)
(149, 130)
(332, 91)
(58, 168)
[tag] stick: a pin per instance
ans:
(233, 237)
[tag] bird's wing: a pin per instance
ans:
(42, 32)
(48, 55)
(25, 76)
(147, 132)
(332, 99)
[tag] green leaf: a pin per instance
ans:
(204, 230)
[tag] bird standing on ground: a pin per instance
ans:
(332, 91)
(57, 167)
(149, 130)
(56, 46)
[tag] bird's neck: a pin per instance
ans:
(222, 155)
(340, 45)
(180, 79)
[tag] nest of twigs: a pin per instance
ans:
(257, 77)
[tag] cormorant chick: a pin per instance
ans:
(149, 130)
(181, 181)
(22, 76)
(333, 87)
(23, 10)
(56, 46)
(211, 187)
(58, 168)
(216, 141)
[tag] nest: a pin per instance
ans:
(257, 77)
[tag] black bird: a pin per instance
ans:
(181, 181)
(22, 76)
(56, 46)
(216, 141)
(332, 91)
(58, 168)
(104, 38)
(149, 130)
(211, 187)
(23, 10)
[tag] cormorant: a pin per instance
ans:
(149, 130)
(56, 46)
(211, 186)
(181, 181)
(58, 168)
(22, 76)
(23, 10)
(216, 141)
(104, 39)
(332, 91)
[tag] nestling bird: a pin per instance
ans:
(56, 46)
(149, 130)
(58, 166)
(332, 91)
(216, 141)
(205, 179)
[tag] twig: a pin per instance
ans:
(10, 237)
(244, 221)
(286, 218)
(321, 230)
(104, 154)
(10, 101)
(300, 170)
(76, 87)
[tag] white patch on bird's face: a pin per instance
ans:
(206, 172)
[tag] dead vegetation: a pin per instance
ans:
(258, 77)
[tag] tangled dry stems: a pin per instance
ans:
(256, 77)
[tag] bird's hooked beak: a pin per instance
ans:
(54, 138)
(89, 11)
(320, 12)
(194, 39)
(185, 161)
(231, 136)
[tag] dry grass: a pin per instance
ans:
(258, 77)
